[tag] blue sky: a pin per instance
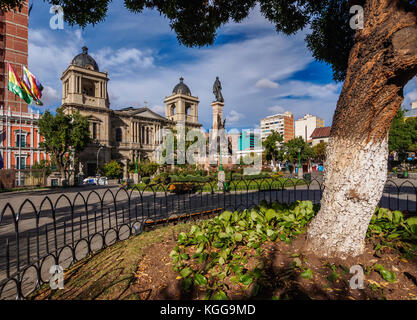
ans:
(262, 72)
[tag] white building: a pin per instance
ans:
(320, 135)
(304, 127)
(281, 123)
(413, 112)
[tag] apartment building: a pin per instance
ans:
(281, 123)
(305, 126)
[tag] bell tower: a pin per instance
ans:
(83, 83)
(181, 106)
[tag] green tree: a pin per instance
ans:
(291, 148)
(376, 61)
(319, 152)
(271, 146)
(112, 170)
(63, 134)
(403, 135)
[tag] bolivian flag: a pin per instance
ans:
(18, 87)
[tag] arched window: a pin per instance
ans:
(188, 109)
(88, 88)
(119, 135)
(172, 109)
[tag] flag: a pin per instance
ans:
(17, 87)
(33, 85)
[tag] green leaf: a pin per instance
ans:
(388, 275)
(186, 272)
(200, 280)
(254, 215)
(223, 235)
(307, 274)
(246, 279)
(238, 237)
(182, 237)
(185, 256)
(186, 283)
(397, 217)
(226, 215)
(220, 295)
(270, 214)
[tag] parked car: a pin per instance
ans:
(98, 181)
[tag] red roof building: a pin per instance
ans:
(320, 135)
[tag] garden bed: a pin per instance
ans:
(167, 264)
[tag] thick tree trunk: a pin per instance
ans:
(381, 63)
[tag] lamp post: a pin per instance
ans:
(100, 146)
(300, 169)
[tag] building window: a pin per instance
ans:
(118, 135)
(20, 140)
(94, 133)
(20, 162)
(147, 135)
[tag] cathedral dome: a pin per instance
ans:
(181, 88)
(84, 60)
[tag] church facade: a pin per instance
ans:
(124, 135)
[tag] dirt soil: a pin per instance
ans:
(140, 268)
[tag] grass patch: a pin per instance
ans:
(110, 273)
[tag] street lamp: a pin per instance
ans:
(100, 146)
(300, 169)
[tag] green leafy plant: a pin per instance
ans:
(220, 247)
(385, 273)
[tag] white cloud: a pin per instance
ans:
(276, 109)
(233, 117)
(50, 95)
(149, 72)
(123, 58)
(266, 83)
(158, 109)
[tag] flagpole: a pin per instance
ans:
(20, 144)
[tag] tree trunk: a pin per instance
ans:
(382, 61)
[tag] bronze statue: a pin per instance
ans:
(217, 90)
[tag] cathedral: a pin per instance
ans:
(124, 135)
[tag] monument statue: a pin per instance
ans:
(217, 90)
(221, 123)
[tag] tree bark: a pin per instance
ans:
(382, 61)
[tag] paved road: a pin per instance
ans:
(89, 212)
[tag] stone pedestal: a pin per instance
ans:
(300, 173)
(217, 115)
(125, 170)
(136, 178)
(221, 179)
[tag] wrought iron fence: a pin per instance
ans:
(61, 229)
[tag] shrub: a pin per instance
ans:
(146, 180)
(112, 169)
(147, 169)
